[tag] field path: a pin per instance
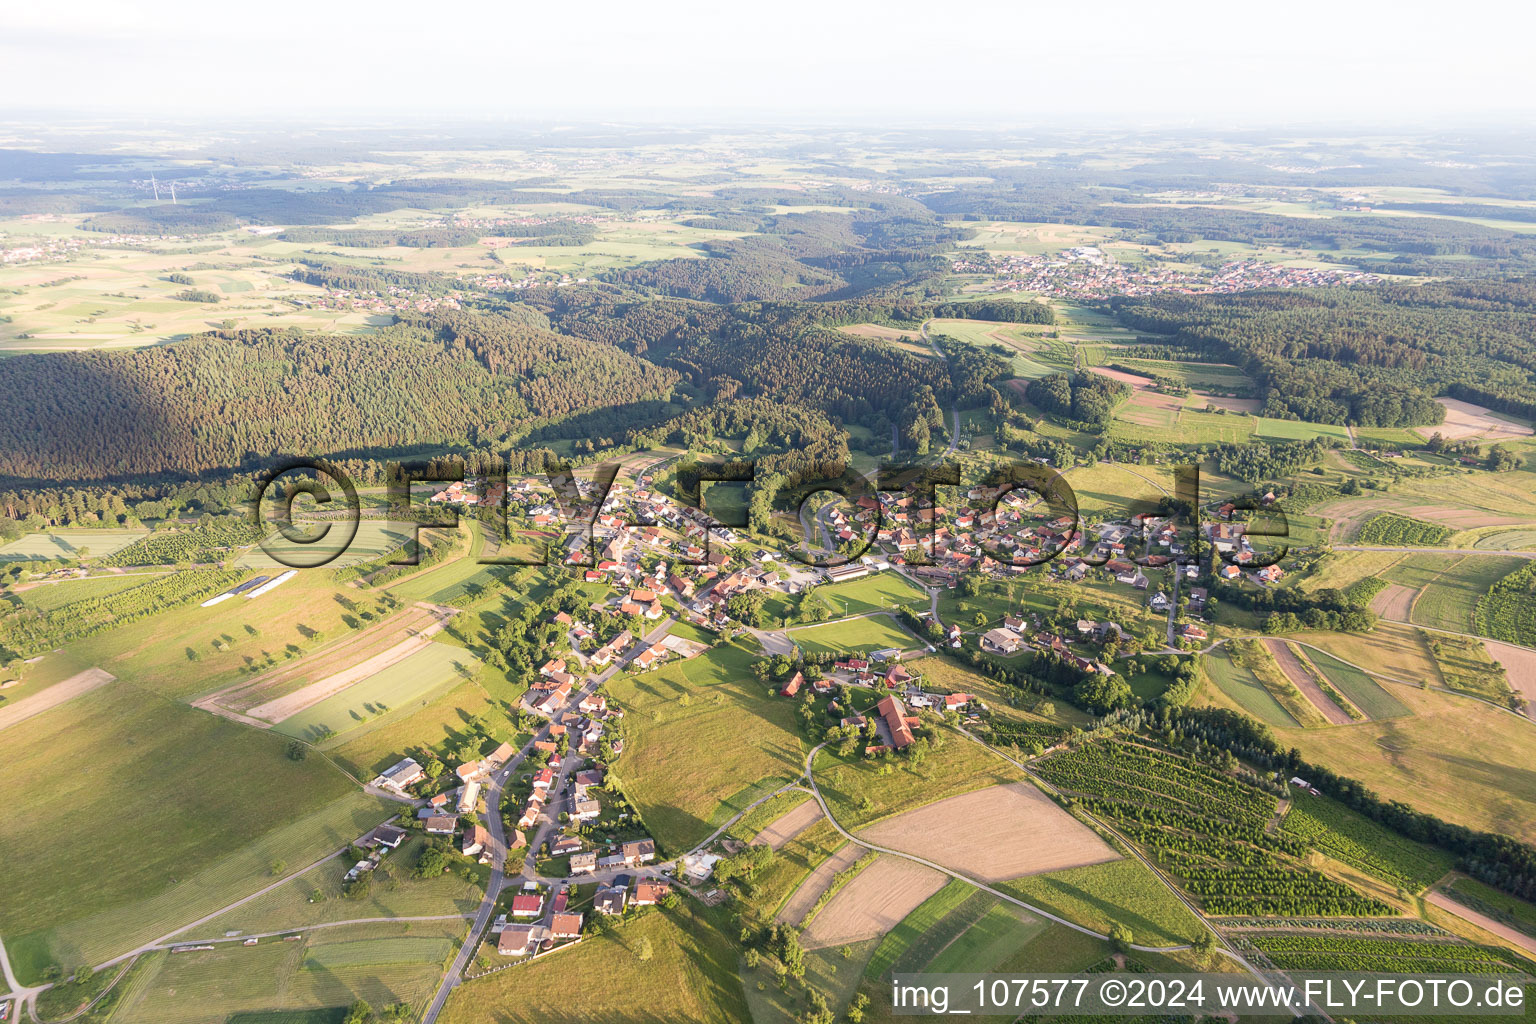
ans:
(57, 694)
(308, 696)
(1488, 924)
(1302, 679)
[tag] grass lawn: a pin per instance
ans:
(880, 592)
(1455, 758)
(398, 895)
(834, 972)
(67, 544)
(1467, 667)
(372, 538)
(858, 794)
(189, 650)
(437, 722)
(703, 739)
(691, 978)
(403, 683)
(1366, 693)
(917, 924)
(1056, 949)
(185, 811)
(1393, 651)
(308, 981)
(1117, 892)
(873, 633)
(1000, 934)
(792, 862)
(1242, 687)
(1449, 598)
(1295, 430)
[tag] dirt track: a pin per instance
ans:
(1503, 931)
(57, 694)
(873, 903)
(1297, 673)
(314, 693)
(242, 697)
(993, 834)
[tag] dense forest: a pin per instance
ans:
(1368, 357)
(228, 399)
(1086, 397)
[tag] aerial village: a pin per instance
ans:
(552, 805)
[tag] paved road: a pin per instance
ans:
(455, 974)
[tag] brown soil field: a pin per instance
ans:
(873, 903)
(1157, 400)
(1395, 602)
(1297, 673)
(1248, 405)
(58, 693)
(1348, 514)
(882, 332)
(993, 834)
(1520, 666)
(417, 623)
(1460, 518)
(1487, 924)
(804, 898)
(1134, 380)
(789, 824)
(1463, 419)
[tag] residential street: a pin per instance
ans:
(497, 829)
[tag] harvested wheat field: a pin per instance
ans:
(1520, 667)
(873, 903)
(1394, 602)
(1304, 681)
(789, 824)
(993, 834)
(1463, 419)
(880, 331)
(804, 898)
(1133, 379)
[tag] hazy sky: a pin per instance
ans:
(1023, 62)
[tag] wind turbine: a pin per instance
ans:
(173, 193)
(155, 185)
